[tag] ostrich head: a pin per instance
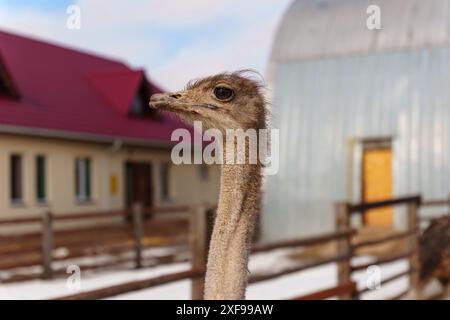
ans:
(223, 101)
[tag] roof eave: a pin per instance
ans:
(80, 136)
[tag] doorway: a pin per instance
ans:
(139, 184)
(377, 181)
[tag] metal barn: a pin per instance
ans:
(363, 114)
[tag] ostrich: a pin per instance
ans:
(434, 246)
(226, 101)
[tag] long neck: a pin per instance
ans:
(227, 273)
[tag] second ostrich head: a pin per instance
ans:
(226, 101)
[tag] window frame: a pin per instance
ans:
(41, 178)
(16, 183)
(83, 179)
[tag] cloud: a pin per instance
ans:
(249, 49)
(176, 13)
(174, 40)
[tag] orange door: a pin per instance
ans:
(377, 185)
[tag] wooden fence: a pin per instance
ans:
(111, 233)
(346, 288)
(199, 229)
(198, 239)
(443, 205)
(344, 211)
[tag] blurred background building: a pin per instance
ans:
(363, 113)
(76, 134)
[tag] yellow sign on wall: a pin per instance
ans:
(113, 184)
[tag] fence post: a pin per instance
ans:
(414, 262)
(47, 245)
(138, 232)
(198, 246)
(344, 247)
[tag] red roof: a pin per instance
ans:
(75, 94)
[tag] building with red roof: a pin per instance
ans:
(76, 134)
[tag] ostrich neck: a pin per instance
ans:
(239, 203)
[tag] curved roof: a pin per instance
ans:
(321, 28)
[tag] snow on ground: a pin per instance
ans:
(284, 287)
(289, 286)
(40, 289)
(149, 254)
(363, 279)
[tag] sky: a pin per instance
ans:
(173, 40)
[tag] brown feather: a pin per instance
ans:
(435, 251)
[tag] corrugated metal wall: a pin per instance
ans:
(321, 104)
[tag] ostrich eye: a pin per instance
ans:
(223, 93)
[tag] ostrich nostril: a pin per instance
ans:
(175, 95)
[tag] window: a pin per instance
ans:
(4, 90)
(16, 178)
(40, 179)
(164, 180)
(83, 179)
(139, 105)
(7, 88)
(203, 172)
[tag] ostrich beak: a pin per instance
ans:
(178, 102)
(162, 100)
(174, 102)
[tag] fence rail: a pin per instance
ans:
(385, 239)
(134, 286)
(348, 288)
(197, 237)
(343, 221)
(304, 241)
(390, 279)
(379, 262)
(436, 203)
(197, 274)
(345, 288)
(92, 215)
(362, 207)
(29, 248)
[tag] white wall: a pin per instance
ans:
(185, 184)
